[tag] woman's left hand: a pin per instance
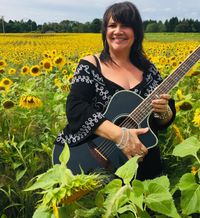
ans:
(160, 105)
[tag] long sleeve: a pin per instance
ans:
(83, 117)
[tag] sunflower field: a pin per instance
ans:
(35, 76)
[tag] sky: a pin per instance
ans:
(42, 11)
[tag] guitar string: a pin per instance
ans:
(107, 142)
(166, 85)
(104, 146)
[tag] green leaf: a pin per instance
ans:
(128, 170)
(66, 175)
(187, 181)
(143, 214)
(42, 212)
(47, 179)
(93, 212)
(64, 156)
(125, 209)
(159, 199)
(99, 199)
(190, 194)
(136, 196)
(113, 186)
(138, 187)
(16, 165)
(115, 200)
(190, 146)
(20, 174)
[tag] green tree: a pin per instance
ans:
(171, 24)
(152, 27)
(183, 27)
(161, 26)
(96, 25)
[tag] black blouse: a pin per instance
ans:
(89, 97)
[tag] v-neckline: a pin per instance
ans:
(110, 81)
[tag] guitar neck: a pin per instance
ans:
(145, 108)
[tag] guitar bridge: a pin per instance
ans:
(99, 157)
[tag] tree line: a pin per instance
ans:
(67, 26)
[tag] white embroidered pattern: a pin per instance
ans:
(153, 79)
(82, 133)
(82, 78)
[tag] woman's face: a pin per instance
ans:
(120, 38)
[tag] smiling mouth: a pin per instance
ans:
(119, 39)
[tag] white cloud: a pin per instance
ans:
(86, 10)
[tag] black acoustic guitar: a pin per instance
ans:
(125, 109)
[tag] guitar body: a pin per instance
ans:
(124, 107)
(100, 153)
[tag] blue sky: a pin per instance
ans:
(86, 10)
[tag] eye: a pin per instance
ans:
(112, 25)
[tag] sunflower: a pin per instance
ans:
(57, 83)
(196, 119)
(179, 94)
(183, 105)
(3, 63)
(70, 77)
(64, 71)
(12, 71)
(47, 65)
(35, 70)
(8, 104)
(6, 82)
(194, 170)
(69, 63)
(177, 132)
(30, 102)
(25, 70)
(54, 52)
(59, 61)
(193, 71)
(2, 70)
(81, 185)
(46, 54)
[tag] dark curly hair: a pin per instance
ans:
(127, 14)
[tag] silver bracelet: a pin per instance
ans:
(162, 116)
(120, 145)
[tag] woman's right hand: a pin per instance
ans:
(131, 145)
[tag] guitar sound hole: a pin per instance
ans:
(126, 121)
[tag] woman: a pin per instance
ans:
(121, 65)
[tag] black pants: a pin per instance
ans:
(151, 166)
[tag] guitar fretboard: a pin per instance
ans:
(143, 110)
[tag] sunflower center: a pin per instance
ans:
(6, 82)
(25, 70)
(47, 65)
(2, 71)
(35, 70)
(58, 60)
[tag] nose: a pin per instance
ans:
(118, 29)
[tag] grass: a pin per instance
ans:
(172, 37)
